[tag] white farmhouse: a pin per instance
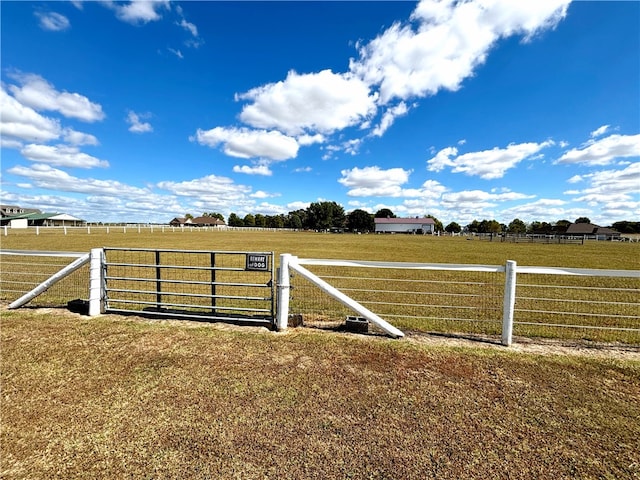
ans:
(404, 225)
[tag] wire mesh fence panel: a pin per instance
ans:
(21, 273)
(203, 283)
(597, 308)
(410, 299)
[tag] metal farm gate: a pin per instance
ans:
(200, 285)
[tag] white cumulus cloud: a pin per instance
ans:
(39, 94)
(209, 185)
(544, 208)
(317, 102)
(604, 151)
(306, 140)
(213, 193)
(478, 200)
(79, 138)
(45, 176)
(487, 164)
(257, 169)
(61, 156)
(137, 125)
(140, 11)
(24, 123)
(611, 186)
(245, 143)
(445, 42)
(374, 181)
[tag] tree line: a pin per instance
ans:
(517, 226)
(330, 216)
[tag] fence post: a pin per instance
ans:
(509, 302)
(283, 290)
(96, 282)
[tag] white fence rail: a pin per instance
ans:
(497, 300)
(128, 229)
(402, 293)
(51, 277)
(578, 301)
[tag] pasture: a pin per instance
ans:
(600, 309)
(124, 397)
(395, 248)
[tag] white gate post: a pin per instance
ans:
(509, 302)
(96, 282)
(283, 290)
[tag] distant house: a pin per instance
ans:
(197, 222)
(13, 210)
(38, 219)
(207, 222)
(404, 225)
(591, 230)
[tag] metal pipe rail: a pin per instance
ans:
(188, 294)
(162, 250)
(189, 305)
(178, 267)
(188, 282)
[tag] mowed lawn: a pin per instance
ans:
(117, 397)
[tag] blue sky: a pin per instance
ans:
(492, 109)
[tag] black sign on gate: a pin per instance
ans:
(257, 262)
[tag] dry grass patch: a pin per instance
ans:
(114, 398)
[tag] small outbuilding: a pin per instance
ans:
(25, 220)
(197, 222)
(404, 225)
(589, 230)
